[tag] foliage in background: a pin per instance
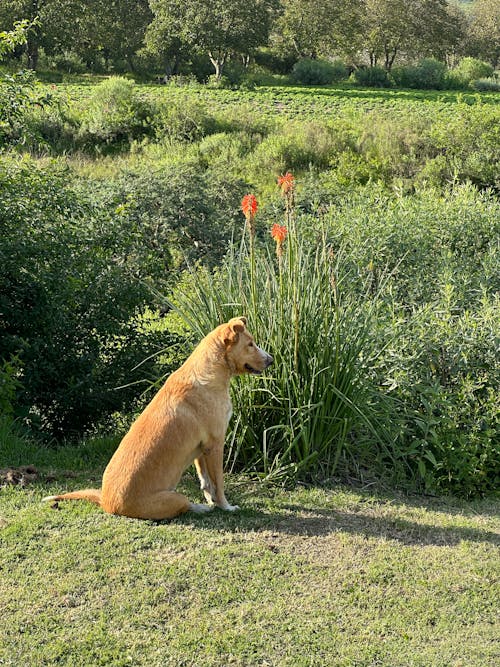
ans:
(374, 77)
(401, 184)
(441, 308)
(114, 114)
(318, 72)
(18, 91)
(70, 302)
(381, 315)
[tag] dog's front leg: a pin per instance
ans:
(206, 484)
(210, 470)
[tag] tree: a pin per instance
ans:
(319, 27)
(111, 28)
(485, 31)
(417, 28)
(437, 28)
(218, 28)
(386, 29)
(30, 10)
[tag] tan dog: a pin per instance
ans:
(186, 421)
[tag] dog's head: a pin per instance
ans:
(242, 354)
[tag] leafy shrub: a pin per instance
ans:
(318, 72)
(19, 95)
(273, 62)
(426, 240)
(182, 118)
(488, 85)
(114, 114)
(449, 404)
(70, 301)
(453, 81)
(469, 69)
(426, 264)
(295, 146)
(178, 215)
(374, 77)
(428, 74)
(10, 369)
(225, 151)
(52, 128)
(67, 61)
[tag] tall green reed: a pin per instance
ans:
(302, 417)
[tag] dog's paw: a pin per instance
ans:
(200, 509)
(230, 508)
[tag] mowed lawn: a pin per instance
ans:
(308, 576)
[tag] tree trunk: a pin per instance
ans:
(32, 53)
(218, 62)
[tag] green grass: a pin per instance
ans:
(308, 576)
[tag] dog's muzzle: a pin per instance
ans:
(267, 362)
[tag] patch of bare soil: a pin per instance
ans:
(21, 476)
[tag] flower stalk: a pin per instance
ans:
(249, 206)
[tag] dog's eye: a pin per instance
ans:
(250, 344)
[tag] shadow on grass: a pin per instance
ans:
(296, 521)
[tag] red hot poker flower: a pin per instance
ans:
(286, 182)
(249, 206)
(279, 232)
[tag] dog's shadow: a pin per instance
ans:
(295, 520)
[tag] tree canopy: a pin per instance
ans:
(218, 28)
(172, 34)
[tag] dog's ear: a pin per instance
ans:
(235, 326)
(238, 324)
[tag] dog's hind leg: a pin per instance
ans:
(163, 505)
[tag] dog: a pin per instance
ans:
(185, 422)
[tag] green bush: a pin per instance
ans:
(295, 146)
(470, 69)
(70, 301)
(373, 77)
(67, 61)
(487, 85)
(318, 72)
(182, 118)
(114, 114)
(178, 215)
(450, 414)
(20, 95)
(10, 370)
(428, 74)
(431, 261)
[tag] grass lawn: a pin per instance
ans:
(308, 576)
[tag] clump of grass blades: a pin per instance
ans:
(301, 417)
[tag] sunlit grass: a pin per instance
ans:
(307, 576)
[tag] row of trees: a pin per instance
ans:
(171, 34)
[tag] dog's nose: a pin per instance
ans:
(269, 360)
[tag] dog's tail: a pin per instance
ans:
(92, 495)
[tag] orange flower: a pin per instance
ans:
(286, 182)
(279, 232)
(249, 206)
